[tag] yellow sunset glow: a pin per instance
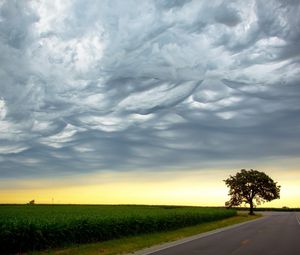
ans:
(199, 188)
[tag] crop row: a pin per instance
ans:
(19, 235)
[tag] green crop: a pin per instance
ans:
(36, 227)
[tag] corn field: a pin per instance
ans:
(36, 227)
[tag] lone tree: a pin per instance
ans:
(249, 186)
(31, 202)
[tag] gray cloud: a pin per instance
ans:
(121, 85)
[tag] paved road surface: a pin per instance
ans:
(276, 234)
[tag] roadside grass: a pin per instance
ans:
(135, 243)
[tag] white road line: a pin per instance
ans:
(298, 219)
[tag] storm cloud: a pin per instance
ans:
(146, 85)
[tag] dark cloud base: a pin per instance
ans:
(152, 85)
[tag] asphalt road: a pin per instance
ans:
(276, 234)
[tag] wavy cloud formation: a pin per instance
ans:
(112, 85)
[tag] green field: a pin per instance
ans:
(26, 227)
(260, 209)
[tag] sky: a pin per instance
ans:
(152, 102)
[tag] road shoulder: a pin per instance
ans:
(167, 245)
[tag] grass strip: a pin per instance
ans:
(134, 243)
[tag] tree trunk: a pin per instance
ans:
(251, 208)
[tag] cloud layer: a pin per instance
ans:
(128, 85)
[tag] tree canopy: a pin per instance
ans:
(250, 186)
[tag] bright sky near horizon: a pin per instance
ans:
(148, 102)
